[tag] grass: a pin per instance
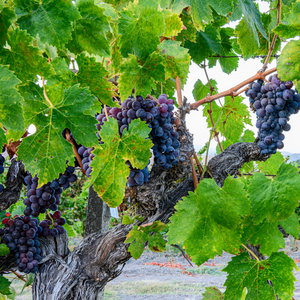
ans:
(213, 271)
(152, 287)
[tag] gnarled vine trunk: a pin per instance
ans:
(83, 273)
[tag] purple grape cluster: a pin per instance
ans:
(164, 138)
(88, 156)
(48, 196)
(21, 237)
(53, 224)
(138, 177)
(2, 160)
(274, 103)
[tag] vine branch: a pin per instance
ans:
(234, 90)
(274, 38)
(71, 141)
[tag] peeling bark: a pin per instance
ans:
(14, 182)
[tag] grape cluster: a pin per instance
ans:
(88, 156)
(21, 237)
(138, 177)
(52, 225)
(164, 138)
(274, 103)
(47, 196)
(2, 160)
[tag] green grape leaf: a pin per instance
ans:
(252, 274)
(4, 250)
(202, 12)
(274, 199)
(173, 24)
(109, 11)
(110, 171)
(140, 26)
(11, 113)
(7, 16)
(190, 32)
(200, 90)
(177, 59)
(287, 65)
(208, 220)
(141, 77)
(29, 281)
(46, 151)
(207, 42)
(212, 293)
(3, 139)
(228, 64)
(139, 235)
(70, 230)
(178, 5)
(1, 5)
(248, 137)
(89, 31)
(234, 116)
(4, 286)
(23, 58)
(271, 165)
(50, 19)
(91, 74)
(246, 30)
(291, 225)
(130, 220)
(265, 234)
(291, 26)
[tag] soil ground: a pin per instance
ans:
(168, 276)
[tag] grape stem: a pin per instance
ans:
(251, 252)
(19, 276)
(274, 38)
(45, 95)
(234, 90)
(210, 108)
(178, 87)
(198, 163)
(71, 141)
(194, 172)
(106, 114)
(50, 217)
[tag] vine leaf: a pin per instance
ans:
(246, 30)
(27, 61)
(209, 224)
(110, 170)
(45, 153)
(274, 199)
(200, 90)
(141, 26)
(141, 77)
(291, 225)
(291, 26)
(11, 113)
(50, 19)
(212, 293)
(207, 43)
(202, 12)
(7, 15)
(271, 165)
(173, 24)
(265, 234)
(4, 250)
(91, 74)
(139, 235)
(245, 272)
(4, 286)
(89, 31)
(176, 59)
(287, 65)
